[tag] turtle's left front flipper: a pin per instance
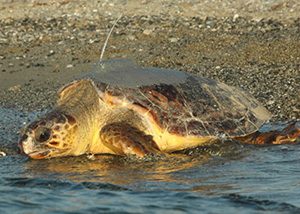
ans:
(124, 139)
(290, 134)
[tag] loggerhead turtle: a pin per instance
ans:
(124, 109)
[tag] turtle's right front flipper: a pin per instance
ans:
(124, 139)
(290, 134)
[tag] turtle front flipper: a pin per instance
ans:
(290, 134)
(124, 139)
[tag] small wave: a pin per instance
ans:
(41, 183)
(265, 205)
(106, 186)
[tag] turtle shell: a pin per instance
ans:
(181, 103)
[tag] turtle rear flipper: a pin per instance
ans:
(290, 134)
(124, 139)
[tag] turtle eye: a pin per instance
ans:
(42, 134)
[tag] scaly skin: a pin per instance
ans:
(290, 134)
(52, 135)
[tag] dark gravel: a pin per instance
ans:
(38, 55)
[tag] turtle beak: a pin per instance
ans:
(28, 147)
(39, 155)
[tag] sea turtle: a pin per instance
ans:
(124, 109)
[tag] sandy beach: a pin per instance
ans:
(253, 45)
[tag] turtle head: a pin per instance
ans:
(53, 135)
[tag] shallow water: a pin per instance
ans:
(222, 178)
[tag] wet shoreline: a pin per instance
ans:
(254, 46)
(37, 56)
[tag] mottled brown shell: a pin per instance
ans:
(182, 103)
